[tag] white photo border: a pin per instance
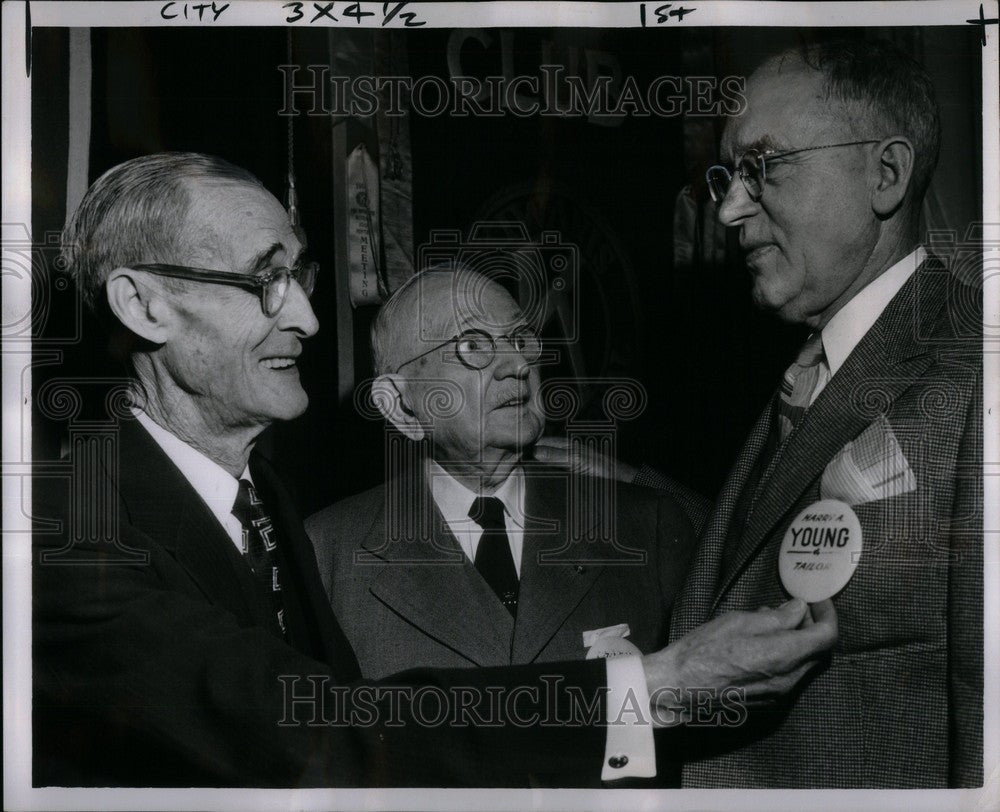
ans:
(16, 197)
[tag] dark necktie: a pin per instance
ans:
(493, 558)
(259, 548)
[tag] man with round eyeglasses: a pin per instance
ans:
(823, 178)
(471, 554)
(181, 635)
(463, 337)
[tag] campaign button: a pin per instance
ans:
(820, 551)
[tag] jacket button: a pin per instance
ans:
(617, 762)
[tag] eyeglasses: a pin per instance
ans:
(476, 349)
(753, 171)
(272, 286)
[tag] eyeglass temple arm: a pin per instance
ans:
(201, 274)
(425, 352)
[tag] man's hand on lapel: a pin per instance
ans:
(739, 657)
(579, 459)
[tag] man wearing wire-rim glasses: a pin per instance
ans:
(471, 553)
(824, 178)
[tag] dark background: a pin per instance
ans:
(688, 333)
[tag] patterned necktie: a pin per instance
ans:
(493, 558)
(798, 385)
(259, 546)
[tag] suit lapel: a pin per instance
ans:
(550, 590)
(430, 583)
(163, 505)
(883, 365)
(694, 604)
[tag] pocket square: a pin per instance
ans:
(618, 630)
(869, 468)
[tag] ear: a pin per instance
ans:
(138, 307)
(389, 392)
(894, 172)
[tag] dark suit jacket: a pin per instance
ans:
(422, 603)
(155, 662)
(899, 703)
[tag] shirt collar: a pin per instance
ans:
(213, 483)
(455, 500)
(850, 324)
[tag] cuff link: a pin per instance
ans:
(617, 762)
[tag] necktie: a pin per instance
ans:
(798, 385)
(259, 547)
(493, 558)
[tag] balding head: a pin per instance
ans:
(455, 358)
(434, 305)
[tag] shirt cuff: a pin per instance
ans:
(629, 751)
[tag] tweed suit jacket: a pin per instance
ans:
(898, 703)
(424, 604)
(156, 661)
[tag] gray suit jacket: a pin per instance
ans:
(407, 596)
(899, 702)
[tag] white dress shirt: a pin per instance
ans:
(454, 500)
(630, 734)
(850, 324)
(213, 483)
